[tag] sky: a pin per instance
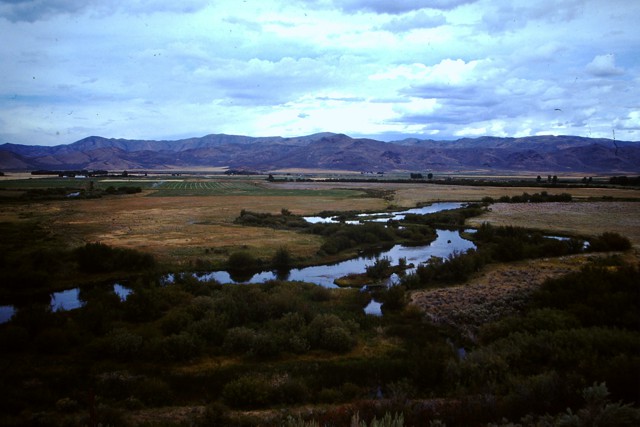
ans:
(429, 69)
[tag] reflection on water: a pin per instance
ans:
(63, 300)
(446, 243)
(324, 275)
(374, 308)
(66, 300)
(384, 217)
(122, 291)
(6, 313)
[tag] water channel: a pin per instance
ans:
(446, 243)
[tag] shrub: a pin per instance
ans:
(250, 391)
(143, 305)
(380, 269)
(282, 259)
(239, 340)
(211, 329)
(182, 346)
(153, 392)
(100, 258)
(242, 261)
(123, 344)
(329, 332)
(175, 321)
(394, 298)
(215, 414)
(609, 242)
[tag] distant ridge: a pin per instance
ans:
(561, 154)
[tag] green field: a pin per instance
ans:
(216, 186)
(220, 187)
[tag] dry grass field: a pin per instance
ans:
(499, 290)
(407, 194)
(185, 228)
(584, 218)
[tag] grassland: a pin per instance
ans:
(181, 221)
(190, 219)
(585, 218)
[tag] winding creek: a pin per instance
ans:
(445, 244)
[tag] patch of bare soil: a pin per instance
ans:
(499, 291)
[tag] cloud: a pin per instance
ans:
(513, 16)
(34, 10)
(418, 20)
(37, 10)
(265, 82)
(399, 6)
(155, 68)
(604, 66)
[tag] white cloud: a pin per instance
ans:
(418, 20)
(156, 69)
(398, 7)
(604, 66)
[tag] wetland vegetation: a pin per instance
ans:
(196, 351)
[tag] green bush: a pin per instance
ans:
(123, 345)
(609, 242)
(248, 392)
(282, 259)
(242, 261)
(177, 347)
(211, 329)
(153, 392)
(380, 269)
(239, 340)
(329, 332)
(175, 321)
(100, 258)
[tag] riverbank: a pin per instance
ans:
(499, 290)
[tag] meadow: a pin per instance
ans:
(179, 219)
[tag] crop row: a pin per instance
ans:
(203, 185)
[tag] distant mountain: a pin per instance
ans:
(335, 152)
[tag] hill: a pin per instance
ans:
(561, 154)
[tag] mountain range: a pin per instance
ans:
(558, 154)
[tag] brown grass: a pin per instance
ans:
(587, 219)
(408, 195)
(181, 230)
(500, 290)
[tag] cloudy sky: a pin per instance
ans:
(440, 69)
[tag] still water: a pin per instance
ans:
(62, 301)
(446, 243)
(324, 275)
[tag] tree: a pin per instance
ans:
(282, 259)
(380, 269)
(539, 179)
(429, 176)
(242, 261)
